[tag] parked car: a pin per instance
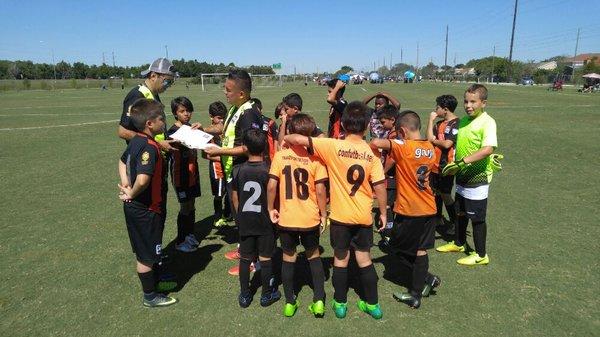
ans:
(527, 81)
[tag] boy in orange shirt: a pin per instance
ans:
(354, 172)
(300, 211)
(413, 232)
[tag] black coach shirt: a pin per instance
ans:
(250, 119)
(133, 95)
(250, 181)
(142, 156)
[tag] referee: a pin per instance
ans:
(158, 77)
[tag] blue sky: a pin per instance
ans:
(310, 35)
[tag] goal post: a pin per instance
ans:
(258, 80)
(212, 78)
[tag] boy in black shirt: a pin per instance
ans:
(249, 198)
(143, 189)
(183, 167)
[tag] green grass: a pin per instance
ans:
(67, 268)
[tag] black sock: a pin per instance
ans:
(419, 273)
(368, 279)
(318, 279)
(451, 209)
(191, 222)
(479, 237)
(148, 282)
(218, 207)
(181, 223)
(439, 202)
(461, 230)
(340, 284)
(287, 278)
(266, 274)
(244, 276)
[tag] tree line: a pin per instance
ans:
(79, 70)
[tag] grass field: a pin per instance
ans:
(67, 268)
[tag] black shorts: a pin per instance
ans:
(440, 184)
(145, 229)
(217, 185)
(187, 193)
(344, 236)
(253, 245)
(290, 239)
(474, 209)
(410, 234)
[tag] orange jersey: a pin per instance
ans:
(414, 161)
(297, 173)
(353, 169)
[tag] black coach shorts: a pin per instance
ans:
(188, 193)
(343, 236)
(410, 234)
(253, 245)
(145, 229)
(475, 210)
(217, 185)
(440, 184)
(290, 239)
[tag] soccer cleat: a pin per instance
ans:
(372, 309)
(186, 247)
(408, 299)
(191, 239)
(473, 260)
(339, 309)
(159, 300)
(450, 247)
(270, 298)
(235, 270)
(290, 309)
(233, 255)
(317, 308)
(165, 286)
(433, 282)
(244, 300)
(221, 222)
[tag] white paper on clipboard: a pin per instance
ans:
(193, 139)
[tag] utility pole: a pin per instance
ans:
(113, 58)
(103, 58)
(512, 39)
(446, 53)
(493, 59)
(417, 57)
(54, 65)
(455, 59)
(401, 55)
(575, 55)
(390, 61)
(167, 51)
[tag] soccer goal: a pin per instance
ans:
(215, 81)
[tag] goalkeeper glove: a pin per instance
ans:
(453, 168)
(495, 162)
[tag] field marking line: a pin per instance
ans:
(58, 106)
(491, 108)
(363, 89)
(58, 126)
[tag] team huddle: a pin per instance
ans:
(294, 182)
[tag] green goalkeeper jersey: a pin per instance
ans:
(473, 134)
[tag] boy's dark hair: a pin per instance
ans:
(409, 119)
(480, 89)
(447, 102)
(217, 109)
(355, 119)
(303, 124)
(255, 140)
(389, 112)
(242, 80)
(257, 103)
(294, 100)
(278, 109)
(143, 110)
(332, 83)
(181, 101)
(387, 100)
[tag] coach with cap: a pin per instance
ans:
(159, 76)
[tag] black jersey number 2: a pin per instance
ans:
(249, 205)
(359, 171)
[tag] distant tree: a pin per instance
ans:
(343, 70)
(429, 70)
(400, 68)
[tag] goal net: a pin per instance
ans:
(216, 81)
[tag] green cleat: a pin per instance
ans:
(317, 308)
(372, 309)
(165, 286)
(450, 247)
(408, 299)
(290, 309)
(473, 260)
(221, 222)
(159, 300)
(340, 309)
(431, 283)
